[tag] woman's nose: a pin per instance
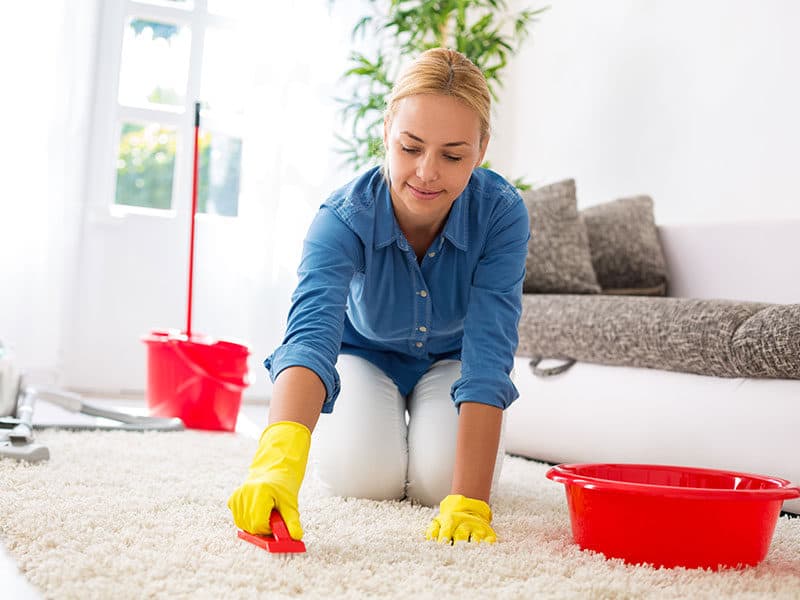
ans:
(427, 168)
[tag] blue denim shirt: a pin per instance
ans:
(361, 290)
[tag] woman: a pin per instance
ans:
(411, 278)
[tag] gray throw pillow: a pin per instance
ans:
(626, 252)
(558, 258)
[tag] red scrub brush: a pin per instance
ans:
(280, 542)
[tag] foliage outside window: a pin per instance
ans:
(146, 163)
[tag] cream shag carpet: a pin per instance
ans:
(143, 515)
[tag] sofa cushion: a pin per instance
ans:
(706, 337)
(558, 258)
(625, 249)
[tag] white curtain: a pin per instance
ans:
(290, 164)
(298, 51)
(48, 59)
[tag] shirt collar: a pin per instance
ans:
(387, 230)
(456, 229)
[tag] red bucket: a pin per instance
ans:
(198, 379)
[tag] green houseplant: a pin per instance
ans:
(486, 31)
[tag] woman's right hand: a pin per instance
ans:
(273, 480)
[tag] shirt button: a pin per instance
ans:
(422, 328)
(418, 344)
(424, 294)
(431, 254)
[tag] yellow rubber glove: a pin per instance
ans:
(462, 519)
(273, 480)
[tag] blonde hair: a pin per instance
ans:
(445, 72)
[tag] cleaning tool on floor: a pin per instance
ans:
(29, 451)
(19, 418)
(17, 402)
(16, 429)
(279, 542)
(9, 382)
(190, 375)
(17, 442)
(74, 403)
(273, 483)
(22, 432)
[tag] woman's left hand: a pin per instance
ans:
(462, 519)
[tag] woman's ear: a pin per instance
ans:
(386, 126)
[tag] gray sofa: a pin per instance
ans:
(683, 354)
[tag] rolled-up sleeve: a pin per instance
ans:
(332, 253)
(492, 320)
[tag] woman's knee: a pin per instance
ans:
(362, 472)
(360, 449)
(432, 434)
(430, 476)
(431, 459)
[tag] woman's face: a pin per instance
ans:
(432, 145)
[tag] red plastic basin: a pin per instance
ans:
(671, 516)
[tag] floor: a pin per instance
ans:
(252, 420)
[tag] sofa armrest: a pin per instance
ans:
(708, 337)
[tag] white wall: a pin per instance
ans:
(694, 102)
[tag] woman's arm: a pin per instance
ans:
(465, 514)
(476, 450)
(332, 253)
(485, 389)
(297, 396)
(303, 372)
(493, 312)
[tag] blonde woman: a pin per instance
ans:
(403, 325)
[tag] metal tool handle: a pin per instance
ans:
(74, 402)
(9, 383)
(23, 432)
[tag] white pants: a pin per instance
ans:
(366, 448)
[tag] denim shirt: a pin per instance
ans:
(362, 291)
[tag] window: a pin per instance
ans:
(145, 165)
(172, 54)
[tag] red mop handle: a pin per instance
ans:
(194, 211)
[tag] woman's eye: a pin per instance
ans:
(409, 150)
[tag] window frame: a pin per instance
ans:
(110, 113)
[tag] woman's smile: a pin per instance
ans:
(423, 194)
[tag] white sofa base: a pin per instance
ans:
(600, 413)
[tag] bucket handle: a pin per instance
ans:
(232, 385)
